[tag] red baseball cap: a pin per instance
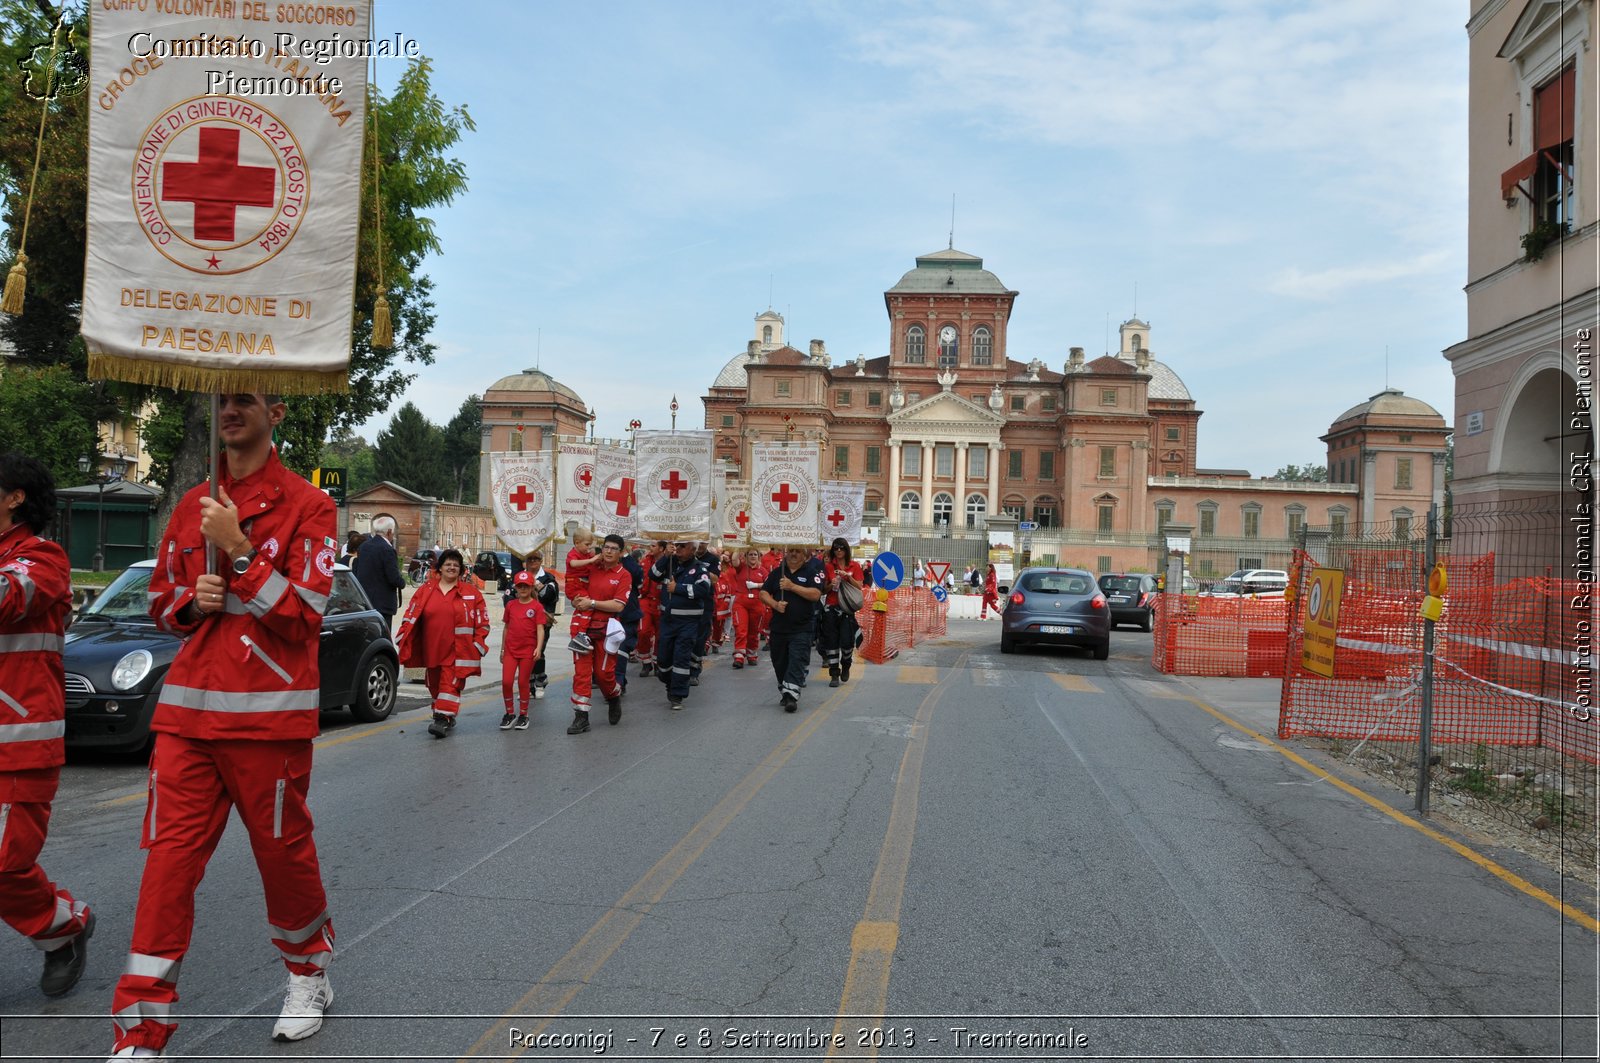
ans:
(522, 578)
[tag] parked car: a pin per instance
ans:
(1253, 583)
(116, 660)
(1056, 607)
(1131, 598)
(497, 565)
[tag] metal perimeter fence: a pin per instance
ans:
(1496, 700)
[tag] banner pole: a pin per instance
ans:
(215, 471)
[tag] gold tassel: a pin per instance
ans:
(16, 286)
(382, 327)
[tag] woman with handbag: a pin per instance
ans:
(837, 632)
(446, 631)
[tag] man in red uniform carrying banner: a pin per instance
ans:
(235, 722)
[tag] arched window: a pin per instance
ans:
(766, 333)
(874, 502)
(1015, 506)
(949, 347)
(982, 347)
(910, 506)
(943, 505)
(1044, 511)
(1138, 342)
(915, 345)
(977, 509)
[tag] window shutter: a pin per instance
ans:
(1552, 111)
(1519, 173)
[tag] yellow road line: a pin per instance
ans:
(1076, 683)
(872, 944)
(562, 983)
(917, 673)
(1506, 875)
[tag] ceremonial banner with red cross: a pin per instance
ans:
(675, 489)
(840, 511)
(614, 502)
(736, 513)
(783, 494)
(225, 146)
(574, 484)
(523, 489)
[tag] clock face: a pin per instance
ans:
(947, 334)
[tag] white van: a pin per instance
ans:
(1253, 583)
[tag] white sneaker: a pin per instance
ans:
(308, 997)
(138, 1052)
(538, 693)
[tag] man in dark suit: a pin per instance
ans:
(377, 569)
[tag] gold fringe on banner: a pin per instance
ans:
(382, 327)
(183, 377)
(16, 286)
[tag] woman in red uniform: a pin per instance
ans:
(35, 597)
(749, 615)
(991, 594)
(446, 631)
(837, 634)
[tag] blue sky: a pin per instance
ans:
(1285, 184)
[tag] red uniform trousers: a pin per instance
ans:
(516, 681)
(991, 600)
(649, 623)
(193, 784)
(30, 903)
(444, 687)
(720, 620)
(749, 617)
(595, 668)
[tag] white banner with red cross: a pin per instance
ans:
(225, 148)
(675, 488)
(783, 494)
(523, 488)
(736, 513)
(614, 502)
(840, 512)
(574, 484)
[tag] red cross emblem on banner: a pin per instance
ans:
(217, 185)
(586, 477)
(785, 498)
(622, 496)
(742, 519)
(836, 518)
(674, 484)
(521, 498)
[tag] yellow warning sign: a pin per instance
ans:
(1320, 620)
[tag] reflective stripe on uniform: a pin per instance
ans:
(319, 602)
(12, 703)
(272, 591)
(142, 1011)
(303, 934)
(157, 967)
(24, 581)
(33, 732)
(238, 701)
(44, 641)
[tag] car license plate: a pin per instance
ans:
(1054, 629)
(1120, 599)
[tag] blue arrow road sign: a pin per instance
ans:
(888, 571)
(938, 593)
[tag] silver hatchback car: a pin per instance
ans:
(1056, 607)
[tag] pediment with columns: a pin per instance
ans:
(944, 413)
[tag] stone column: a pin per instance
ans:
(995, 454)
(927, 483)
(891, 505)
(960, 512)
(1369, 485)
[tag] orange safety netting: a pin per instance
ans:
(1512, 660)
(1219, 636)
(912, 615)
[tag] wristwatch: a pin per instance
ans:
(241, 565)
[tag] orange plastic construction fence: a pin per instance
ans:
(912, 616)
(1219, 636)
(1511, 661)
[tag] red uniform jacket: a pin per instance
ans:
(250, 671)
(35, 598)
(748, 579)
(471, 629)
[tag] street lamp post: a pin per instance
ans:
(633, 429)
(97, 562)
(592, 417)
(674, 409)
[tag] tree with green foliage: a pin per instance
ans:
(47, 415)
(410, 452)
(351, 452)
(1311, 474)
(462, 445)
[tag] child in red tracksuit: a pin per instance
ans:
(579, 558)
(520, 645)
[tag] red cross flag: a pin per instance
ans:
(225, 147)
(840, 512)
(783, 494)
(736, 513)
(524, 499)
(574, 483)
(675, 488)
(614, 503)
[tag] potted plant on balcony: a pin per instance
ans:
(1542, 235)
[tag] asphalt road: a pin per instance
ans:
(957, 855)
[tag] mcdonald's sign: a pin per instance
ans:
(332, 481)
